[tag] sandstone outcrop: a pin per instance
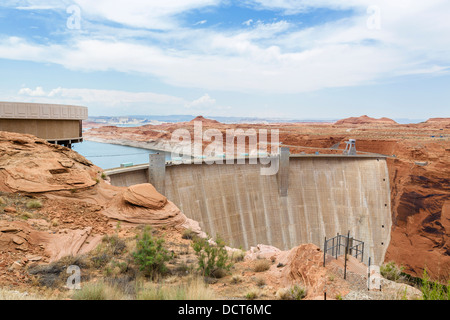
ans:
(142, 204)
(144, 195)
(76, 207)
(29, 164)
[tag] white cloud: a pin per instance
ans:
(207, 106)
(269, 57)
(100, 97)
(38, 92)
(204, 101)
(248, 22)
(151, 14)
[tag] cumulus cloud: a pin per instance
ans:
(38, 92)
(204, 101)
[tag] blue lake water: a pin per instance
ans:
(107, 156)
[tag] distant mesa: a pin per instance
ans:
(204, 120)
(438, 120)
(364, 120)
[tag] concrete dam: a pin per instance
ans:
(310, 198)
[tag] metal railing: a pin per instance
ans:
(343, 245)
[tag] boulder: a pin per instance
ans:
(144, 195)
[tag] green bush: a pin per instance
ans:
(150, 254)
(392, 272)
(213, 260)
(251, 295)
(434, 290)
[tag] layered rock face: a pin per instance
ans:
(78, 206)
(29, 164)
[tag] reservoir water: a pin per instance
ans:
(107, 156)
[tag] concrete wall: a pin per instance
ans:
(325, 196)
(21, 110)
(44, 129)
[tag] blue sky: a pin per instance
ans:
(302, 59)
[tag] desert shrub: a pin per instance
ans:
(434, 290)
(391, 271)
(115, 268)
(238, 256)
(236, 279)
(194, 289)
(55, 274)
(261, 265)
(113, 245)
(34, 204)
(213, 260)
(295, 292)
(183, 269)
(150, 254)
(188, 234)
(260, 282)
(251, 295)
(99, 291)
(100, 259)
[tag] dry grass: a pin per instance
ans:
(193, 289)
(261, 265)
(34, 204)
(100, 291)
(16, 295)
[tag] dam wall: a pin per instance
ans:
(324, 195)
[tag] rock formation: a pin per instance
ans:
(78, 206)
(364, 120)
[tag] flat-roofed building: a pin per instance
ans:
(59, 124)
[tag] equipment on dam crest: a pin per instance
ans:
(350, 148)
(157, 171)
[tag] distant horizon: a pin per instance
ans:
(269, 119)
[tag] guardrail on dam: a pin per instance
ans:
(310, 198)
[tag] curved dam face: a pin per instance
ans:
(312, 197)
(325, 196)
